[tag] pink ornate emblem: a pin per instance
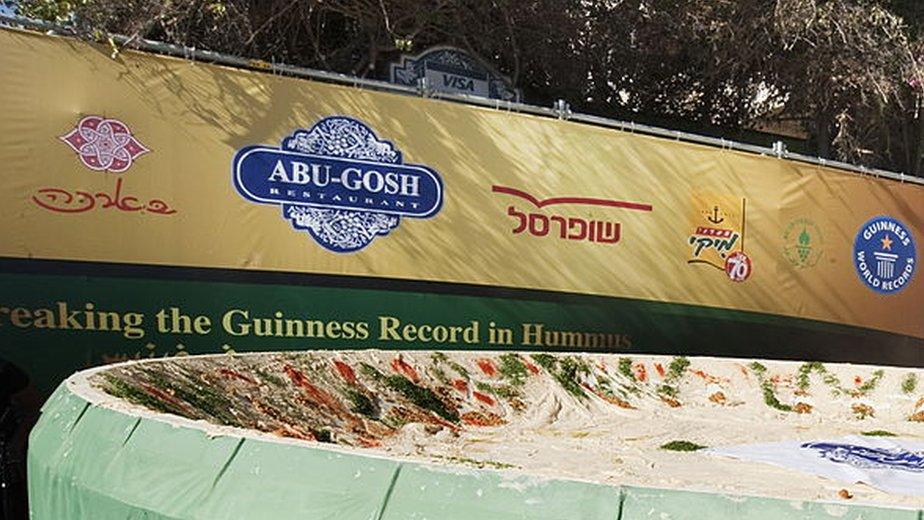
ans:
(104, 144)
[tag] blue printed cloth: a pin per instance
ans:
(894, 465)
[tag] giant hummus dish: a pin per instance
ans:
(609, 419)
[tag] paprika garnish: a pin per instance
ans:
(402, 367)
(640, 372)
(484, 398)
(482, 419)
(314, 393)
(346, 371)
(487, 366)
(232, 374)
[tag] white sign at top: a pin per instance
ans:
(452, 70)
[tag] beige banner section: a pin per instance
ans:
(130, 160)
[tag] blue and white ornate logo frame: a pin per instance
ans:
(450, 69)
(338, 182)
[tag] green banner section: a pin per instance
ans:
(53, 325)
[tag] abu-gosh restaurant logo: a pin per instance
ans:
(338, 182)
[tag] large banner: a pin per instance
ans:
(152, 206)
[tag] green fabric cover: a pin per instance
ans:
(663, 504)
(91, 462)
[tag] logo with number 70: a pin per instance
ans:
(738, 266)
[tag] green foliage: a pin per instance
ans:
(479, 463)
(323, 436)
(770, 398)
(625, 368)
(218, 9)
(438, 358)
(546, 361)
(460, 370)
(421, 396)
(879, 433)
(201, 397)
(394, 420)
(49, 10)
(503, 391)
(682, 446)
(570, 369)
(802, 376)
(513, 369)
(565, 370)
(675, 372)
(123, 390)
(272, 379)
(371, 372)
(481, 386)
(605, 385)
(668, 390)
(440, 375)
(909, 383)
(870, 383)
(766, 387)
(360, 403)
(803, 381)
(677, 367)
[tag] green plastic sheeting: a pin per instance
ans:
(434, 492)
(93, 462)
(663, 504)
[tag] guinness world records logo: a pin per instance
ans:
(884, 254)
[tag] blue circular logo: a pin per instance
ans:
(884, 254)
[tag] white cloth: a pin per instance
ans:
(891, 464)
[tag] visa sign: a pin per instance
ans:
(449, 82)
(447, 69)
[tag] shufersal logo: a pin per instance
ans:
(339, 182)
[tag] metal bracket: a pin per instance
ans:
(423, 87)
(562, 109)
(779, 148)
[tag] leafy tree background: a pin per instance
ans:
(848, 74)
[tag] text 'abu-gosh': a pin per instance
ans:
(352, 178)
(277, 176)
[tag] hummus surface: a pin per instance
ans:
(613, 419)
